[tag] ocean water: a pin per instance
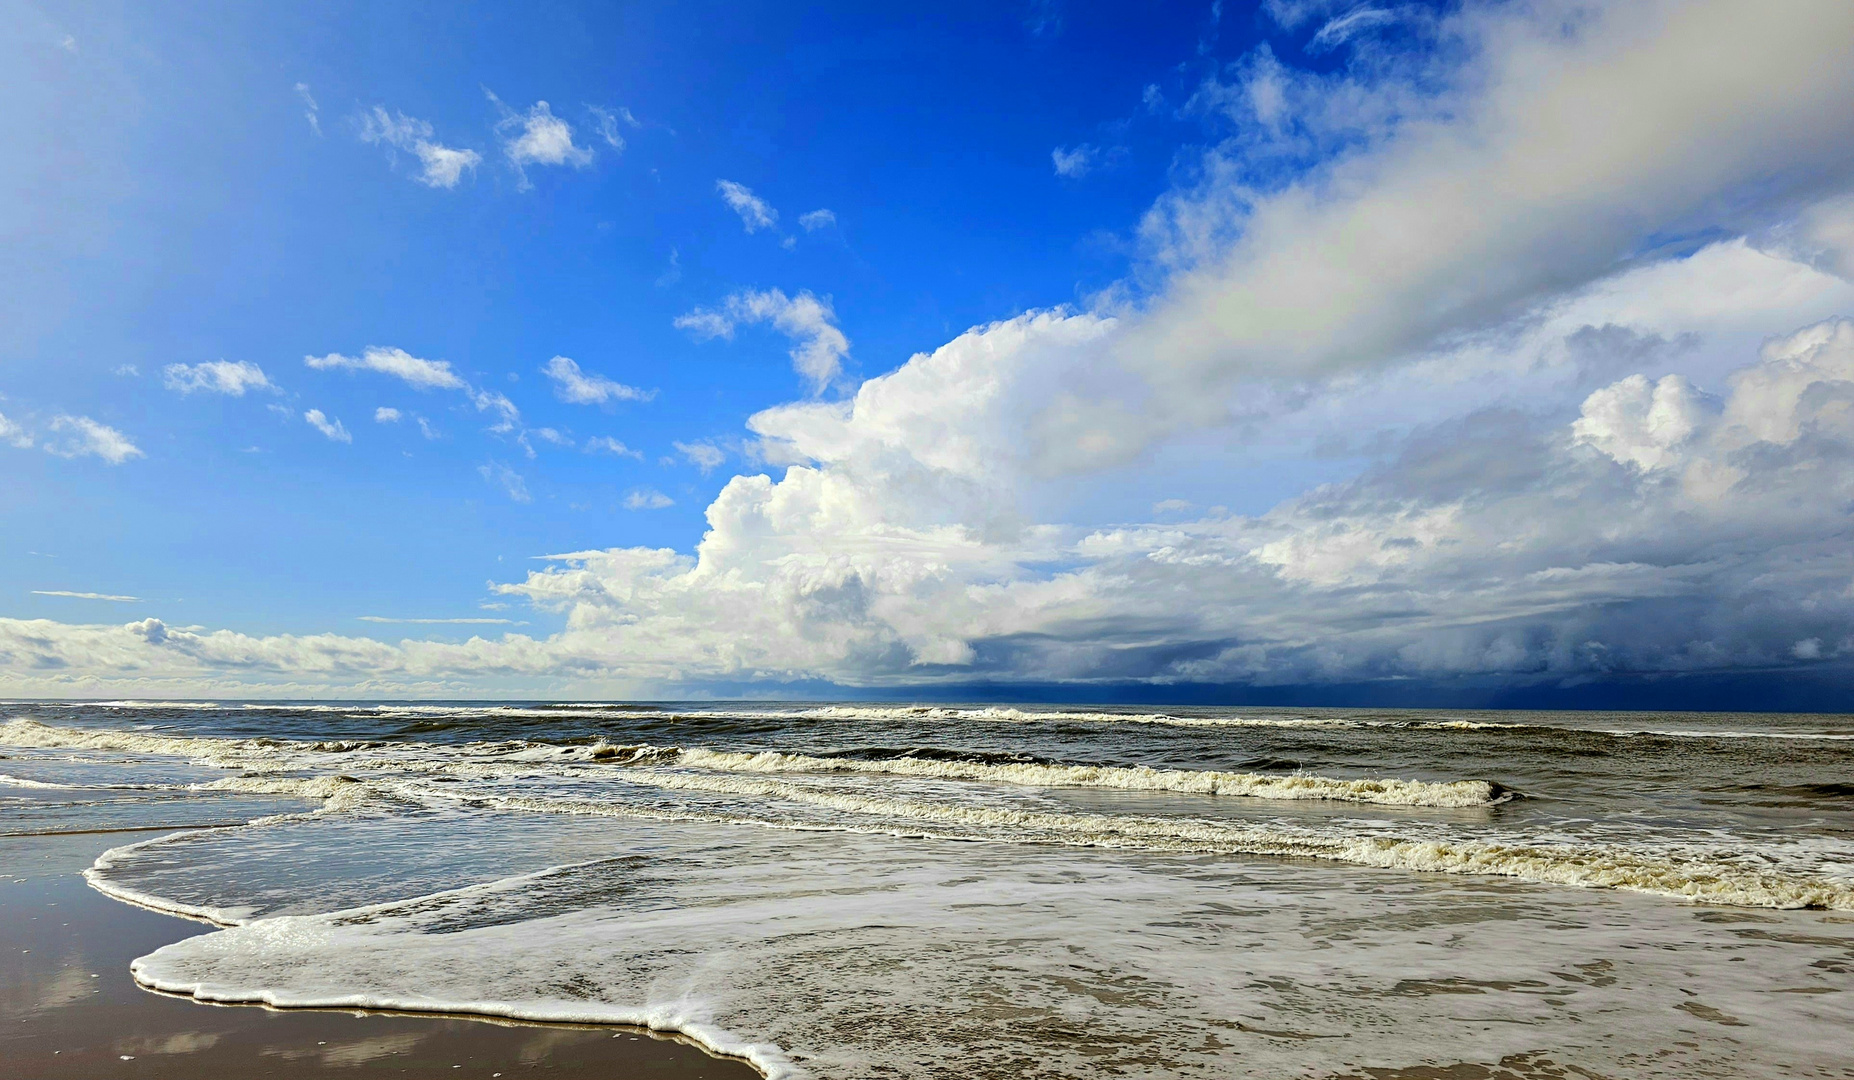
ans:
(875, 891)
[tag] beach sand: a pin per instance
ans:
(68, 1007)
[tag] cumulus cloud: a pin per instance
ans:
(386, 414)
(440, 166)
(819, 346)
(584, 388)
(538, 137)
(647, 499)
(1499, 544)
(216, 376)
(327, 426)
(1569, 139)
(80, 436)
(817, 219)
(755, 213)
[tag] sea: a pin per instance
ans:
(845, 890)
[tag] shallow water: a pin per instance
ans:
(863, 891)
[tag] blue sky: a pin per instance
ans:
(191, 213)
(1280, 255)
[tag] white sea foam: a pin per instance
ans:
(1391, 792)
(848, 957)
(102, 878)
(1696, 879)
(22, 782)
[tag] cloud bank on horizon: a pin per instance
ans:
(1576, 276)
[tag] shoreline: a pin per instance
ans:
(69, 1007)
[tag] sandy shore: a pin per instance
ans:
(68, 1007)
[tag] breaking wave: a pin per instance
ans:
(1457, 793)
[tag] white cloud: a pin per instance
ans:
(606, 121)
(817, 219)
(810, 323)
(538, 137)
(216, 376)
(386, 414)
(609, 445)
(125, 370)
(1532, 167)
(647, 499)
(672, 273)
(437, 622)
(88, 596)
(1359, 20)
(754, 212)
(440, 166)
(68, 43)
(507, 415)
(311, 111)
(584, 388)
(418, 373)
(1074, 163)
(331, 428)
(13, 434)
(705, 456)
(499, 475)
(84, 437)
(1641, 423)
(548, 434)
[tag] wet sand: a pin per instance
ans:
(68, 1007)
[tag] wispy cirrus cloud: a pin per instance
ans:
(647, 499)
(755, 213)
(1359, 20)
(704, 455)
(232, 378)
(80, 436)
(580, 387)
(508, 480)
(440, 166)
(808, 320)
(439, 622)
(606, 121)
(311, 111)
(817, 219)
(331, 428)
(607, 445)
(1073, 162)
(111, 597)
(14, 434)
(414, 371)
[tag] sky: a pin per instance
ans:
(1328, 352)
